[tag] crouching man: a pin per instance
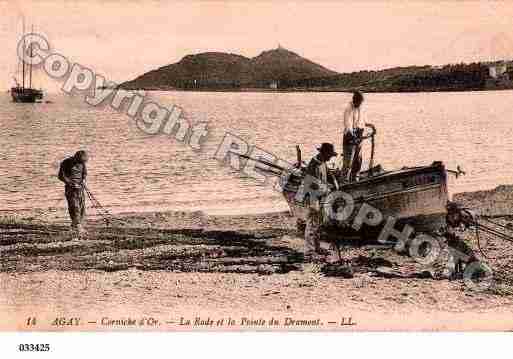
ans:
(73, 173)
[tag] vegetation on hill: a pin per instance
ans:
(217, 70)
(281, 69)
(458, 77)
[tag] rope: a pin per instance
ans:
(476, 223)
(479, 227)
(100, 209)
(497, 224)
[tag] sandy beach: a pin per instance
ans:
(174, 265)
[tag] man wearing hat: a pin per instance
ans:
(73, 173)
(317, 169)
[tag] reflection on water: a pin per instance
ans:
(132, 171)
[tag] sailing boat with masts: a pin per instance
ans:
(20, 93)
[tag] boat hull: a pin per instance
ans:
(26, 95)
(415, 196)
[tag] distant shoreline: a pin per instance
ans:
(264, 90)
(281, 70)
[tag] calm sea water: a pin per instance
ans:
(132, 171)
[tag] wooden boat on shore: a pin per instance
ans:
(417, 196)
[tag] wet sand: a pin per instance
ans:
(178, 264)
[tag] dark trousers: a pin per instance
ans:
(312, 231)
(352, 161)
(76, 205)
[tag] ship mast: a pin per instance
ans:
(22, 60)
(30, 65)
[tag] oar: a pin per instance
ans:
(262, 161)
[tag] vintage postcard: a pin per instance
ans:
(256, 165)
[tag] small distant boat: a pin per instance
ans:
(21, 93)
(24, 94)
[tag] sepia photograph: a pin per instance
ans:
(257, 166)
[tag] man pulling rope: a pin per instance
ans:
(73, 173)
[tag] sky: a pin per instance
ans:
(123, 39)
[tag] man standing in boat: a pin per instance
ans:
(73, 173)
(317, 169)
(353, 132)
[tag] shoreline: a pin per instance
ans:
(493, 202)
(264, 90)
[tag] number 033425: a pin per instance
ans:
(34, 347)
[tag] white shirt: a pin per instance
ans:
(351, 118)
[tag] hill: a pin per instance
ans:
(285, 70)
(453, 77)
(283, 65)
(220, 70)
